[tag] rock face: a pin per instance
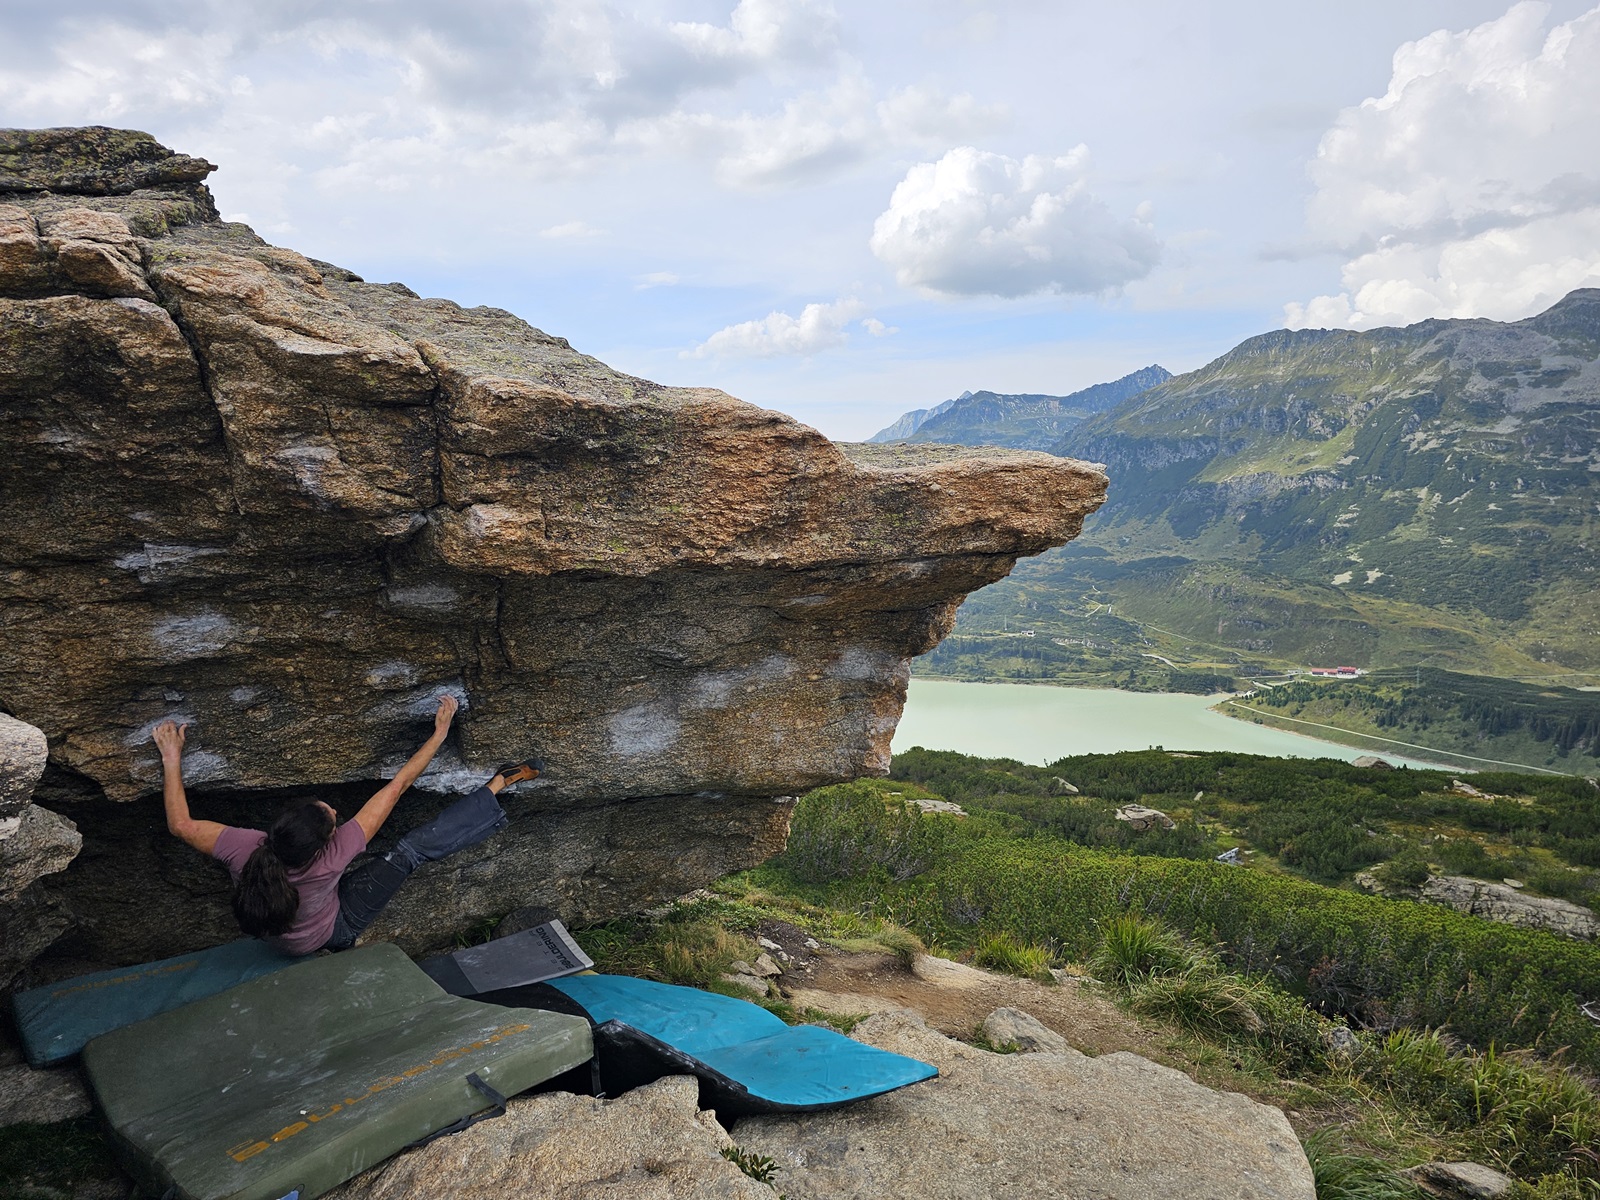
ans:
(653, 1143)
(1118, 1127)
(1022, 1125)
(253, 492)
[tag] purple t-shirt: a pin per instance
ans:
(317, 882)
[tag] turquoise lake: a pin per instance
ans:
(1038, 724)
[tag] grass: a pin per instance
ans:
(1342, 1176)
(1012, 956)
(1132, 949)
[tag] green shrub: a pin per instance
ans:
(1132, 948)
(1002, 952)
(1462, 856)
(1580, 887)
(1408, 869)
(1384, 962)
(855, 830)
(759, 1167)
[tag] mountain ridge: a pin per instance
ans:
(1023, 420)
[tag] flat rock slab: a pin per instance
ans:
(1026, 1126)
(653, 1143)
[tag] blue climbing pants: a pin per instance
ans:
(366, 889)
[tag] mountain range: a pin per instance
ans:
(1425, 495)
(1026, 421)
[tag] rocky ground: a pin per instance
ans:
(1067, 1110)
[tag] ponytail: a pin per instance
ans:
(264, 901)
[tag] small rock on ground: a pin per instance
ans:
(1461, 1181)
(1013, 1027)
(653, 1143)
(1118, 1127)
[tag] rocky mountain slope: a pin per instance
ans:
(1425, 495)
(256, 493)
(1025, 421)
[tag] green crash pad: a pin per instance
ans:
(299, 1080)
(57, 1020)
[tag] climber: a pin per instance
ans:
(291, 885)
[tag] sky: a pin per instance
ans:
(847, 210)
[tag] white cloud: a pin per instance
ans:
(1471, 187)
(408, 95)
(571, 229)
(877, 328)
(654, 279)
(818, 327)
(976, 223)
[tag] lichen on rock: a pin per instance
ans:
(258, 494)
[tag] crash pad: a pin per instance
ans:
(747, 1059)
(531, 956)
(58, 1020)
(299, 1080)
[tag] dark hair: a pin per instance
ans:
(264, 900)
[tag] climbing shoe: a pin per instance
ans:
(521, 772)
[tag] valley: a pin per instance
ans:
(1421, 499)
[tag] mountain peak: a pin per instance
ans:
(1031, 421)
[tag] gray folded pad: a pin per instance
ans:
(302, 1079)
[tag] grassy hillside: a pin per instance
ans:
(1253, 960)
(1393, 497)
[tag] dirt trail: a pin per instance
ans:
(954, 998)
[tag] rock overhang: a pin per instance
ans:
(256, 492)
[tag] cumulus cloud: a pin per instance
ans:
(976, 223)
(1471, 186)
(818, 327)
(411, 94)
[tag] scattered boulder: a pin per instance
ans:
(1060, 787)
(942, 972)
(34, 842)
(653, 1143)
(1460, 1181)
(1342, 1041)
(1466, 789)
(930, 805)
(1373, 762)
(1118, 1127)
(1013, 1027)
(1498, 902)
(1142, 818)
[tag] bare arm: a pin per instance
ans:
(202, 835)
(376, 810)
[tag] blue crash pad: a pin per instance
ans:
(58, 1020)
(750, 1059)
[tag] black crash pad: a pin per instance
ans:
(299, 1080)
(56, 1021)
(544, 952)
